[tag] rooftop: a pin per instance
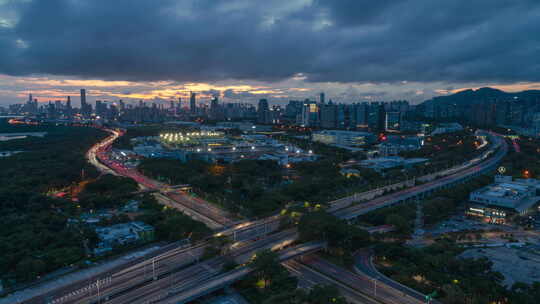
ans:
(519, 194)
(343, 132)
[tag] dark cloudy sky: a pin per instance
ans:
(246, 49)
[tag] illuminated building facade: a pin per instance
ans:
(498, 202)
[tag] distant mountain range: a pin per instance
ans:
(467, 97)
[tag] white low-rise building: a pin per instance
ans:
(503, 198)
(380, 164)
(343, 138)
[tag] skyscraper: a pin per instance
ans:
(83, 98)
(310, 114)
(68, 111)
(86, 109)
(215, 109)
(329, 116)
(392, 121)
(322, 98)
(214, 103)
(361, 115)
(376, 116)
(263, 112)
(193, 103)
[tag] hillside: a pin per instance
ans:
(467, 97)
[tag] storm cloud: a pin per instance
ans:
(325, 41)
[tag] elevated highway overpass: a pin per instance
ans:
(499, 148)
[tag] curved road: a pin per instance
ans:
(92, 154)
(364, 267)
(201, 210)
(364, 284)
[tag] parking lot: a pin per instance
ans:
(461, 223)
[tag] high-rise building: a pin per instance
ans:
(214, 102)
(31, 105)
(69, 109)
(275, 114)
(263, 112)
(86, 109)
(310, 114)
(58, 105)
(376, 116)
(293, 109)
(101, 108)
(361, 115)
(322, 98)
(215, 109)
(342, 120)
(83, 98)
(193, 103)
(392, 121)
(329, 116)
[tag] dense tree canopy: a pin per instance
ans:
(108, 191)
(170, 224)
(271, 283)
(437, 268)
(34, 235)
(343, 239)
(446, 150)
(255, 187)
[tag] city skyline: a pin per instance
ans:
(353, 51)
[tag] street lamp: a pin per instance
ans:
(374, 286)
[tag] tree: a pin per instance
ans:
(399, 222)
(270, 275)
(34, 234)
(319, 294)
(29, 268)
(342, 238)
(323, 294)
